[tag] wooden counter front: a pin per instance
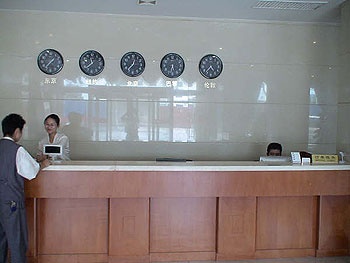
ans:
(149, 216)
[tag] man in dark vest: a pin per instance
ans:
(16, 164)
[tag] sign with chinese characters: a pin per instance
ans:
(89, 81)
(324, 158)
(132, 83)
(210, 85)
(171, 83)
(50, 81)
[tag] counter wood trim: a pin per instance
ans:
(112, 184)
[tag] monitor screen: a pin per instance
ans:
(50, 149)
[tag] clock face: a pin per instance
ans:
(172, 65)
(132, 64)
(91, 62)
(50, 61)
(210, 66)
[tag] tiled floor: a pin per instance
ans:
(283, 260)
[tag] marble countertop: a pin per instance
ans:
(189, 166)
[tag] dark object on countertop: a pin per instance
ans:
(172, 160)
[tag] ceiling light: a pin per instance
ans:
(289, 4)
(146, 2)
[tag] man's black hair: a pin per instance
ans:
(274, 146)
(11, 122)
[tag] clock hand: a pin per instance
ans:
(209, 68)
(91, 62)
(133, 63)
(52, 60)
(172, 67)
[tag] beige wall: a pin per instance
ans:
(343, 142)
(263, 94)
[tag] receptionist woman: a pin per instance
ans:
(51, 124)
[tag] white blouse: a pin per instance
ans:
(59, 139)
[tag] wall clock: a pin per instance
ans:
(210, 66)
(172, 65)
(91, 62)
(50, 61)
(132, 64)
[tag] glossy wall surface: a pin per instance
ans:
(280, 82)
(344, 89)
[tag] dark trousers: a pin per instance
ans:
(13, 232)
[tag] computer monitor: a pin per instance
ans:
(281, 159)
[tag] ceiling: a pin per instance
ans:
(328, 12)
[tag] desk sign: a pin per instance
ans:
(324, 158)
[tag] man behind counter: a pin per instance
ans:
(274, 149)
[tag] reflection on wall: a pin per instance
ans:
(314, 118)
(75, 129)
(133, 112)
(321, 124)
(262, 95)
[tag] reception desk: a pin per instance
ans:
(88, 212)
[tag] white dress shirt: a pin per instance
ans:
(27, 166)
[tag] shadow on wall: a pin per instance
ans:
(74, 129)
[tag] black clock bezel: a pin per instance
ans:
(53, 67)
(206, 62)
(96, 67)
(177, 60)
(139, 62)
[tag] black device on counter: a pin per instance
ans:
(172, 160)
(52, 149)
